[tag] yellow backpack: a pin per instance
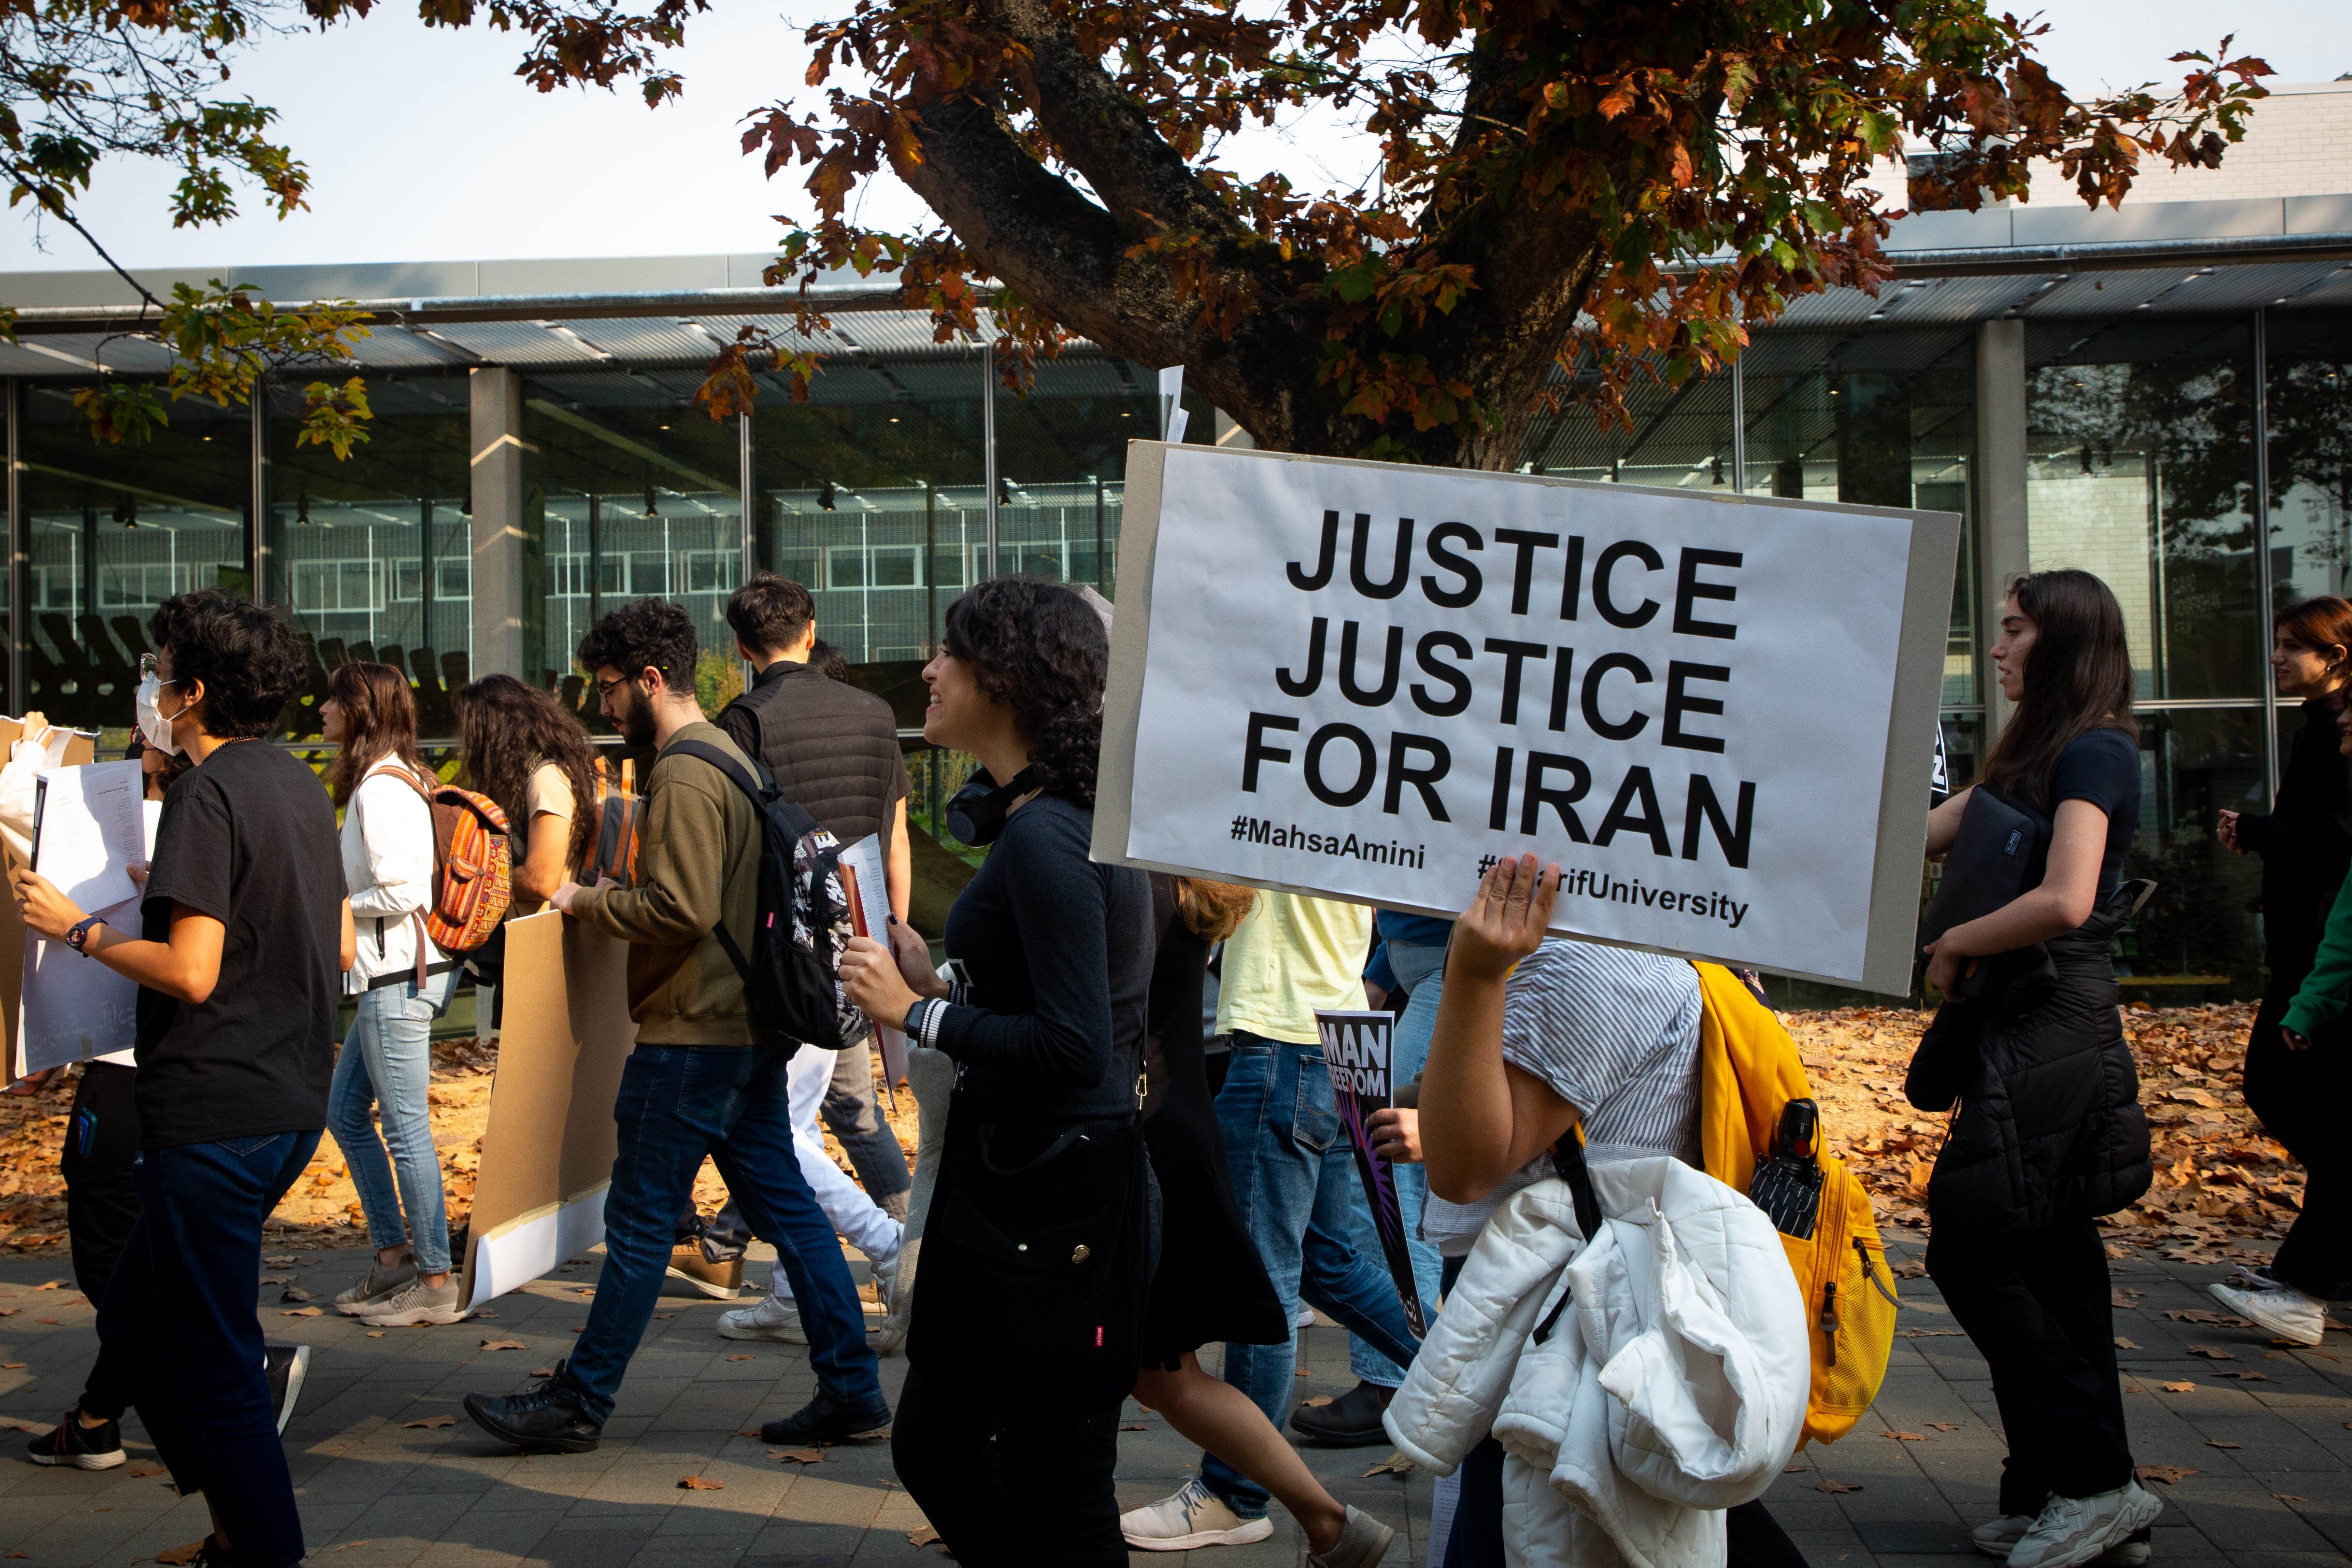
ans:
(1748, 1071)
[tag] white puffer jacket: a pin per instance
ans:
(1670, 1386)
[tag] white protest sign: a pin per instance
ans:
(73, 1008)
(1366, 680)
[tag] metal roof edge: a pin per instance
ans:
(2122, 255)
(418, 312)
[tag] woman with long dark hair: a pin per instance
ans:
(2049, 1134)
(532, 755)
(2299, 1084)
(402, 983)
(1029, 1305)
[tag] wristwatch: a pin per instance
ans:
(81, 934)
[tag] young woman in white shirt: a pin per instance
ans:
(386, 1063)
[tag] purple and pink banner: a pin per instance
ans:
(1357, 1048)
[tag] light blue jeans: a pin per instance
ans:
(388, 1062)
(1419, 970)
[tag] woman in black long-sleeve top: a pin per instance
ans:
(1037, 1252)
(2305, 849)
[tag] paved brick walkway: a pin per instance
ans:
(379, 1492)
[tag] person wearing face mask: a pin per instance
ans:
(2305, 847)
(401, 983)
(704, 1079)
(243, 931)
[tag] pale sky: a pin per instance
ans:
(424, 145)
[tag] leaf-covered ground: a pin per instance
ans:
(2222, 1190)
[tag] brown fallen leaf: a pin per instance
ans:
(2212, 1352)
(2289, 1496)
(2246, 1376)
(1905, 1437)
(879, 1435)
(14, 1365)
(502, 1344)
(50, 1286)
(1909, 1268)
(922, 1536)
(52, 1322)
(296, 1293)
(2209, 1318)
(1794, 1469)
(280, 1260)
(2120, 1300)
(432, 1422)
(738, 1358)
(1317, 1401)
(300, 1313)
(1135, 1426)
(148, 1470)
(375, 1333)
(2171, 1475)
(752, 1432)
(2216, 1443)
(276, 1280)
(1829, 1486)
(2123, 1344)
(1395, 1465)
(1944, 1425)
(798, 1456)
(18, 1424)
(347, 1545)
(181, 1556)
(699, 1484)
(2191, 1388)
(542, 1372)
(1303, 1371)
(10, 1312)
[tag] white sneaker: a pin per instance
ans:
(770, 1320)
(2072, 1531)
(896, 1286)
(1194, 1516)
(2283, 1312)
(1995, 1537)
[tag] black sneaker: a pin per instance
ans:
(288, 1365)
(545, 1419)
(1350, 1421)
(83, 1447)
(829, 1418)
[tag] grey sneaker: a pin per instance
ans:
(416, 1302)
(375, 1285)
(2072, 1531)
(1995, 1537)
(1363, 1542)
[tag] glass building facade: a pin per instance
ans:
(2185, 432)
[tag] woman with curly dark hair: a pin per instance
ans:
(532, 755)
(1029, 1304)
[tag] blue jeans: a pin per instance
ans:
(180, 1311)
(1419, 970)
(388, 1062)
(679, 1103)
(1292, 1175)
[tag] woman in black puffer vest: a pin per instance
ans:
(2300, 1093)
(2049, 1134)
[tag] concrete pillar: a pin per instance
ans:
(500, 601)
(2001, 540)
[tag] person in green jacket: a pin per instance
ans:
(2318, 1250)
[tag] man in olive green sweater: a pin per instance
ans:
(703, 1080)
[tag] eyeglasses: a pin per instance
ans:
(604, 687)
(148, 670)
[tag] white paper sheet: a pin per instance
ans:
(88, 831)
(74, 1008)
(863, 879)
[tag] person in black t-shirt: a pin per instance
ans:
(244, 932)
(2049, 1133)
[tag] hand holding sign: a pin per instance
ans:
(1507, 919)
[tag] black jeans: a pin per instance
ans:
(99, 1166)
(1010, 1482)
(2300, 1095)
(180, 1311)
(2039, 1308)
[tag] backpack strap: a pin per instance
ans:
(703, 750)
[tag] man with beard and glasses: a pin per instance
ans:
(704, 1079)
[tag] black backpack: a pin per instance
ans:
(791, 982)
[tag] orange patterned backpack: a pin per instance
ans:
(471, 871)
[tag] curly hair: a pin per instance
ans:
(508, 729)
(249, 658)
(641, 634)
(1039, 650)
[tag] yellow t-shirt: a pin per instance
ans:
(1292, 955)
